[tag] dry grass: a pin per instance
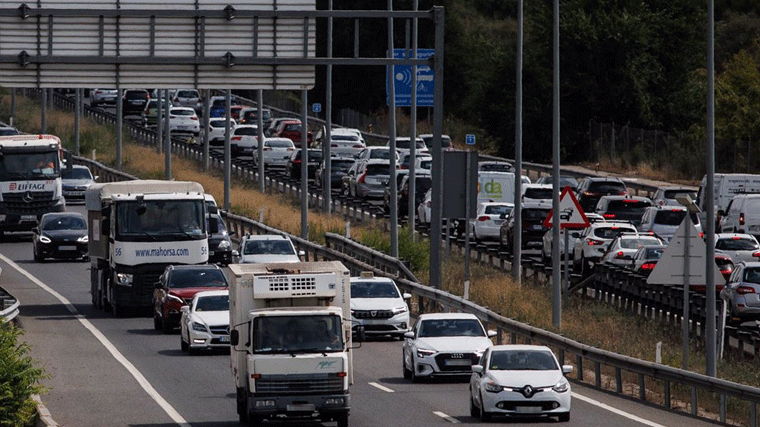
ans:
(644, 169)
(586, 321)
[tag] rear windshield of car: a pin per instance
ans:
(607, 187)
(187, 94)
(535, 214)
(627, 205)
(136, 94)
(380, 154)
(638, 242)
(672, 194)
(373, 290)
(341, 165)
(669, 217)
(344, 137)
(612, 232)
(752, 275)
(75, 173)
(405, 144)
(538, 193)
(426, 164)
(246, 131)
(197, 278)
(293, 127)
(736, 244)
(654, 253)
(373, 170)
(279, 144)
(182, 112)
(495, 167)
(219, 123)
(497, 210)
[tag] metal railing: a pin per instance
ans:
(9, 306)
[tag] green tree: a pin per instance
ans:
(19, 379)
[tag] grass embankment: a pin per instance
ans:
(586, 321)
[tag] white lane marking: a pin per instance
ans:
(173, 414)
(382, 387)
(446, 417)
(616, 411)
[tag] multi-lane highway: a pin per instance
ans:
(121, 372)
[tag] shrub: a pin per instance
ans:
(19, 379)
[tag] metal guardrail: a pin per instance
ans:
(9, 306)
(665, 377)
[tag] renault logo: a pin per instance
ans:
(28, 197)
(528, 391)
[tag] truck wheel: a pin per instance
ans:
(118, 311)
(242, 406)
(254, 421)
(342, 419)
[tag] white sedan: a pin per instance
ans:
(488, 219)
(520, 380)
(442, 344)
(205, 322)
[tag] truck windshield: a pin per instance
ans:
(297, 334)
(30, 165)
(161, 220)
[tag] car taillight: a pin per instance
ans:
(358, 146)
(484, 218)
(267, 148)
(741, 218)
(609, 215)
(756, 254)
(403, 167)
(648, 266)
(361, 178)
(593, 242)
(333, 145)
(701, 234)
(172, 117)
(297, 161)
(236, 138)
(588, 193)
(194, 118)
(743, 290)
(619, 255)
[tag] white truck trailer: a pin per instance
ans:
(137, 228)
(30, 180)
(290, 335)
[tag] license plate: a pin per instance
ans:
(537, 227)
(303, 407)
(458, 362)
(28, 218)
(67, 248)
(224, 338)
(527, 409)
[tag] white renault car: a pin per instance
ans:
(205, 322)
(442, 344)
(377, 304)
(520, 380)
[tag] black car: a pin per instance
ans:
(533, 216)
(61, 235)
(591, 189)
(293, 167)
(338, 167)
(219, 243)
(134, 101)
(75, 180)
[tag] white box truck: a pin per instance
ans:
(137, 228)
(30, 180)
(290, 337)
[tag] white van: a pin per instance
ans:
(496, 187)
(742, 215)
(727, 185)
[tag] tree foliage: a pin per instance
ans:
(19, 379)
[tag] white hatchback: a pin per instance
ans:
(593, 243)
(276, 151)
(184, 120)
(244, 140)
(488, 219)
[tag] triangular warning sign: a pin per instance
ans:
(570, 212)
(669, 270)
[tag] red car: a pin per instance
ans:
(177, 286)
(292, 130)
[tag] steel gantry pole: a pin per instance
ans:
(517, 239)
(304, 166)
(227, 149)
(206, 128)
(77, 118)
(437, 171)
(327, 137)
(557, 295)
(710, 344)
(392, 133)
(260, 123)
(411, 209)
(159, 121)
(167, 137)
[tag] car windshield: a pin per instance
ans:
(752, 275)
(611, 232)
(672, 194)
(372, 289)
(497, 210)
(534, 215)
(628, 205)
(294, 127)
(637, 242)
(522, 360)
(344, 137)
(220, 123)
(213, 303)
(75, 173)
(64, 223)
(451, 328)
(607, 187)
(187, 94)
(736, 244)
(156, 220)
(268, 247)
(197, 278)
(297, 334)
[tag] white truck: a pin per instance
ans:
(290, 337)
(137, 228)
(30, 180)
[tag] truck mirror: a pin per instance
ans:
(234, 337)
(360, 335)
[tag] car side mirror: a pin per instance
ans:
(478, 369)
(491, 333)
(95, 178)
(360, 334)
(566, 369)
(407, 295)
(301, 254)
(234, 337)
(185, 309)
(409, 334)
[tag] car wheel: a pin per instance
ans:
(484, 415)
(415, 378)
(166, 327)
(730, 318)
(544, 258)
(37, 257)
(182, 344)
(407, 372)
(563, 418)
(474, 410)
(583, 266)
(157, 322)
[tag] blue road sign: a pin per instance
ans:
(316, 107)
(469, 139)
(402, 79)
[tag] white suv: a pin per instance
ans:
(593, 243)
(266, 248)
(377, 304)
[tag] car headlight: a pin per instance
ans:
(224, 244)
(399, 310)
(124, 279)
(83, 239)
(198, 327)
(44, 239)
(421, 352)
(561, 386)
(493, 387)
